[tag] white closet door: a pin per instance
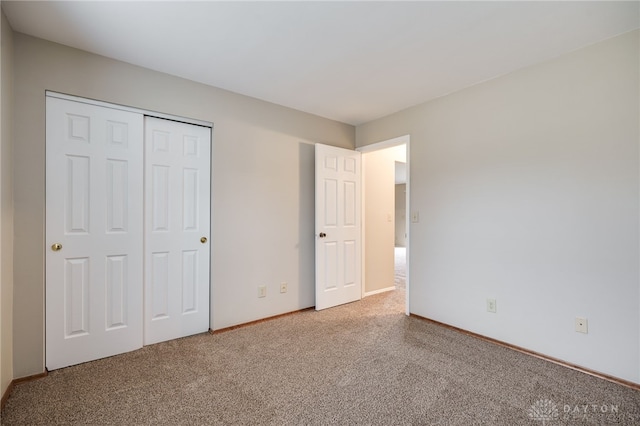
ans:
(94, 213)
(177, 221)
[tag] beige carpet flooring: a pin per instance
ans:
(361, 363)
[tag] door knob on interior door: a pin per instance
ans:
(203, 240)
(322, 235)
(56, 247)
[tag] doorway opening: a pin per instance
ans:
(400, 240)
(385, 207)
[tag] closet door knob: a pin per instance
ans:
(56, 247)
(203, 240)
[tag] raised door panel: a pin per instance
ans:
(117, 287)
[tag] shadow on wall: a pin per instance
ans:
(306, 225)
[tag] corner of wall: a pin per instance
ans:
(6, 207)
(497, 205)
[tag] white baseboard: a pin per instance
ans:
(382, 290)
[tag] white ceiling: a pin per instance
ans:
(350, 61)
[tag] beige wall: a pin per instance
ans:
(528, 192)
(6, 207)
(262, 192)
(379, 216)
(401, 215)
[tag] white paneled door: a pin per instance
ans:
(127, 230)
(94, 213)
(338, 226)
(177, 222)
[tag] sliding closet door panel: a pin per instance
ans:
(94, 232)
(177, 199)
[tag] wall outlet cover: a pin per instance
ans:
(581, 325)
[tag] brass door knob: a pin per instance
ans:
(56, 247)
(322, 235)
(203, 240)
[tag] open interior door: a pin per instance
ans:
(338, 226)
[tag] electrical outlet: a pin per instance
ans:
(581, 325)
(262, 291)
(491, 306)
(283, 287)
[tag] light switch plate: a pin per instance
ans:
(262, 291)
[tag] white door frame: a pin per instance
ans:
(390, 143)
(145, 112)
